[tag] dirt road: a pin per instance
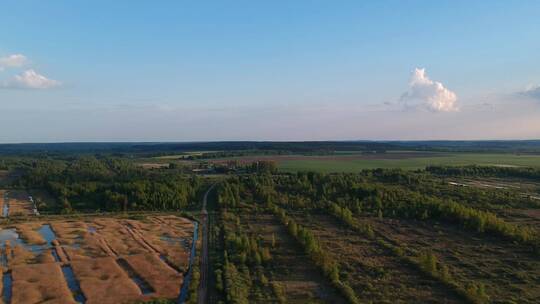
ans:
(203, 287)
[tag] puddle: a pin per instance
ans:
(73, 284)
(5, 208)
(91, 229)
(141, 283)
(10, 235)
(185, 286)
(55, 255)
(14, 239)
(47, 233)
(7, 287)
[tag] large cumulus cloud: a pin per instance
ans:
(425, 93)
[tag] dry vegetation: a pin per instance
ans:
(375, 273)
(40, 283)
(19, 203)
(300, 280)
(508, 271)
(103, 281)
(110, 257)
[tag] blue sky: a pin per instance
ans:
(274, 70)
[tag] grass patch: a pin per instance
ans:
(409, 163)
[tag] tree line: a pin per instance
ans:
(109, 184)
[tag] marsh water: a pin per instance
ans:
(7, 287)
(139, 281)
(185, 286)
(5, 207)
(73, 284)
(12, 236)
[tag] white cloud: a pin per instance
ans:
(428, 94)
(30, 79)
(532, 92)
(11, 61)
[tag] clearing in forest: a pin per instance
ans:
(509, 271)
(301, 281)
(375, 273)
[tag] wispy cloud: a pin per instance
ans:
(30, 79)
(11, 61)
(428, 94)
(532, 92)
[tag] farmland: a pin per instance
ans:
(346, 162)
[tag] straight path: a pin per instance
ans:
(203, 286)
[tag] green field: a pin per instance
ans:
(411, 163)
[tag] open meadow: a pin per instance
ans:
(408, 160)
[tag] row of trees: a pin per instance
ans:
(426, 262)
(313, 249)
(246, 259)
(347, 196)
(363, 195)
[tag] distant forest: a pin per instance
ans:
(157, 148)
